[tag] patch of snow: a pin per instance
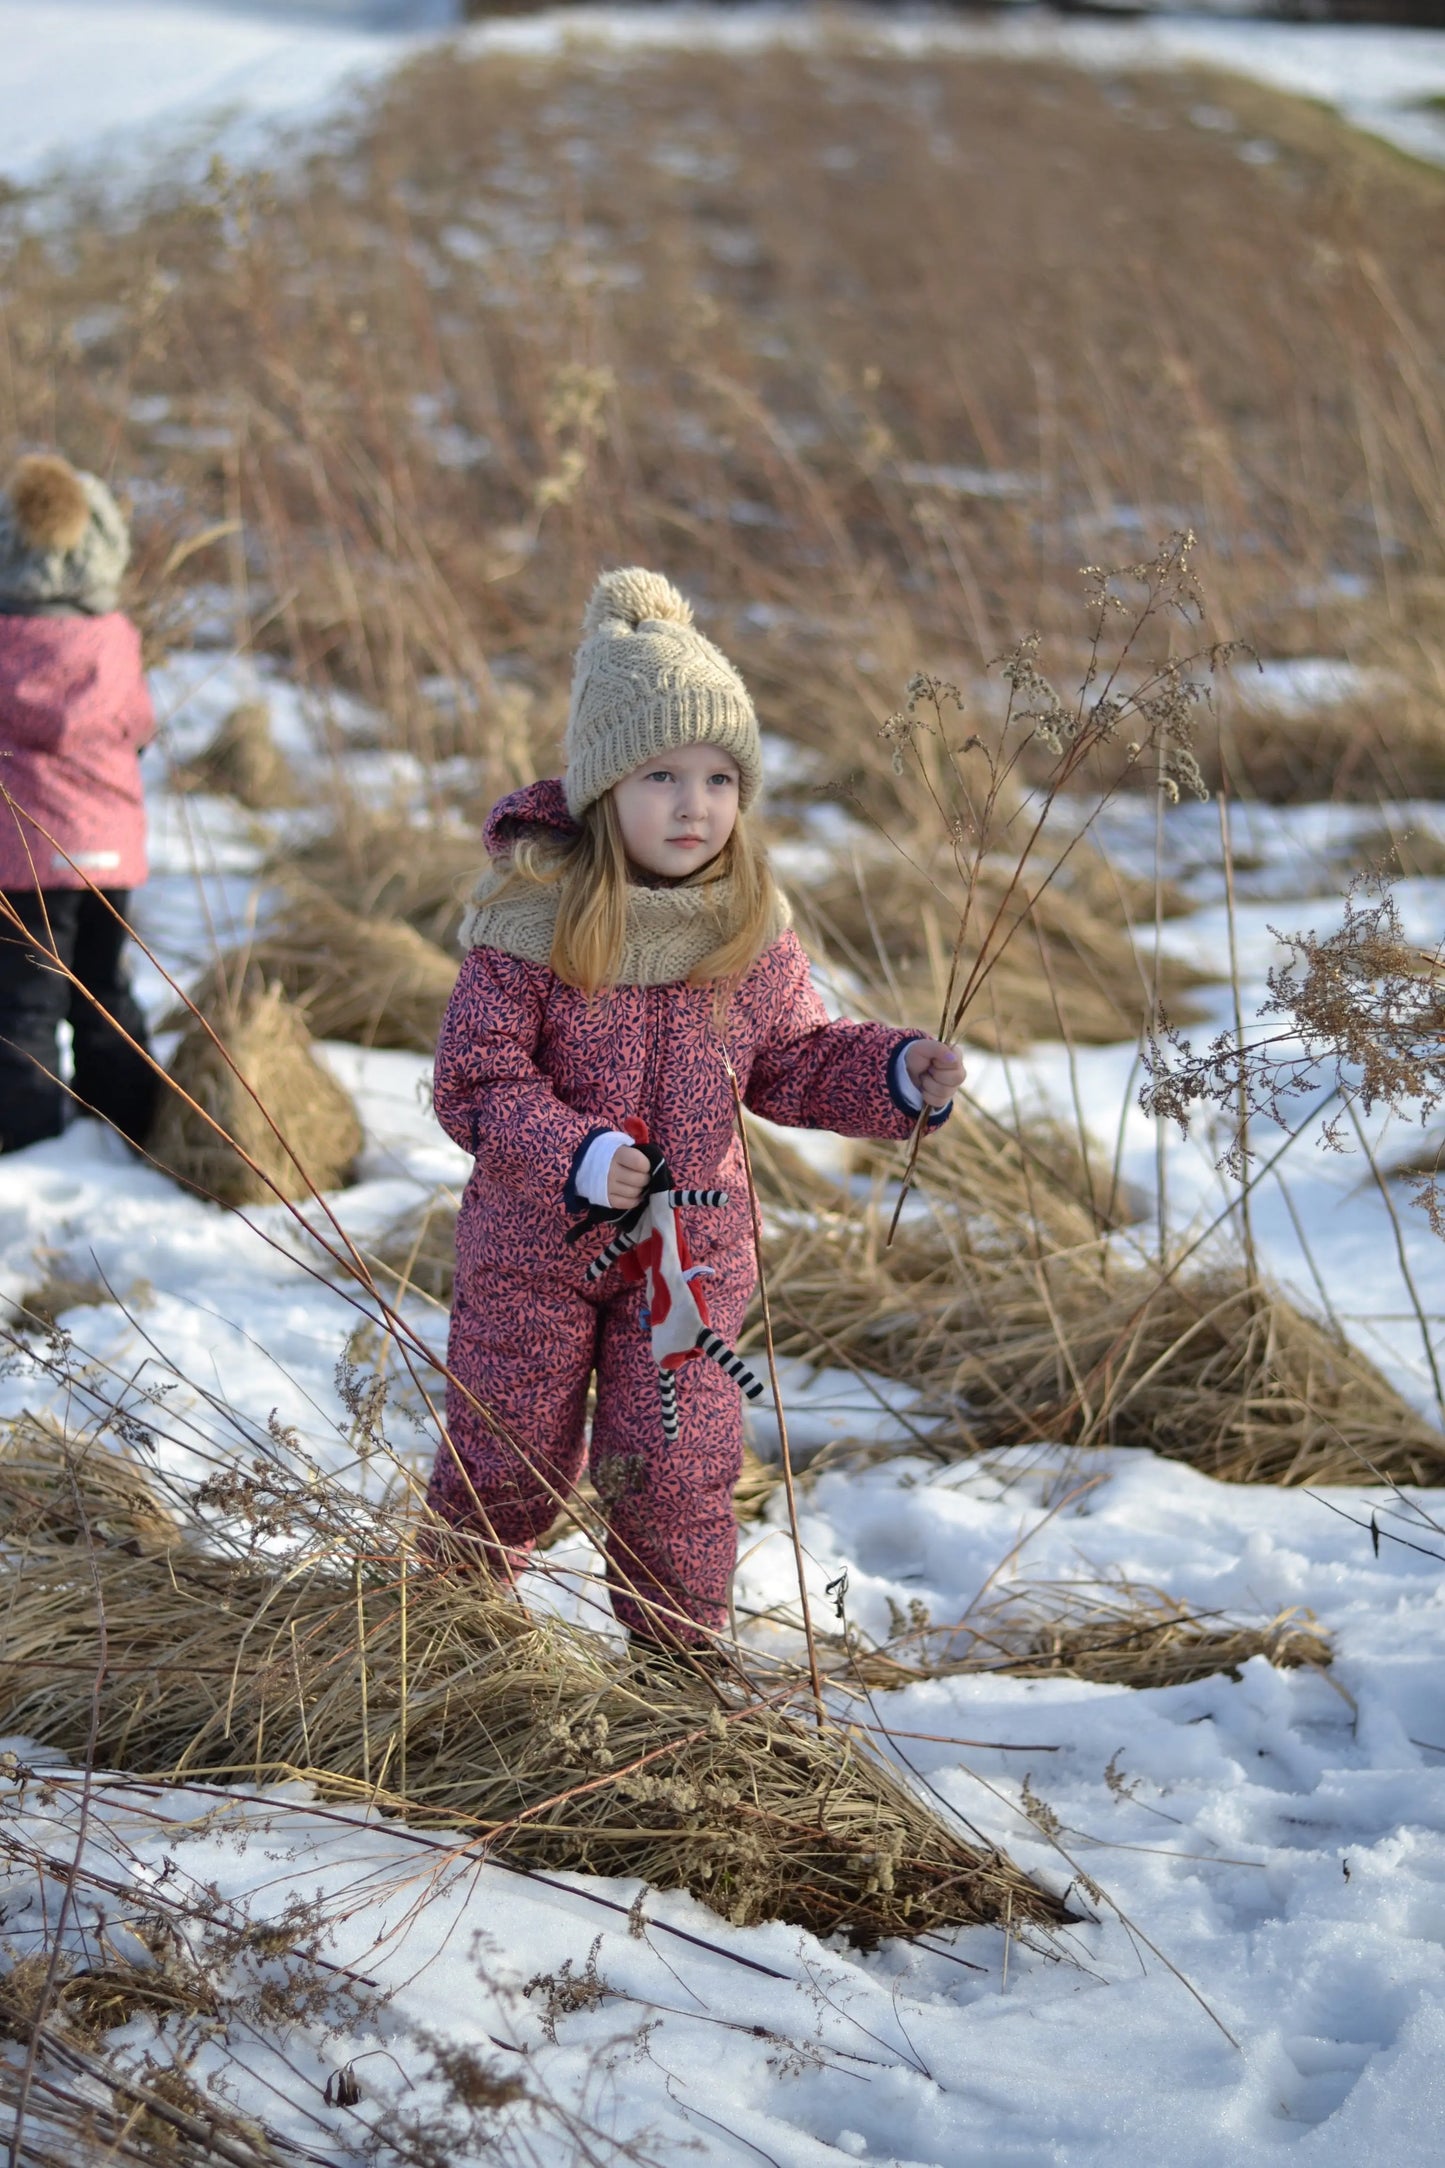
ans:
(966, 481)
(122, 83)
(1304, 683)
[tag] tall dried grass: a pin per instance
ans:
(852, 343)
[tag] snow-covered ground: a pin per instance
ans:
(1278, 1839)
(114, 84)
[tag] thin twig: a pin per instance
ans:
(778, 1408)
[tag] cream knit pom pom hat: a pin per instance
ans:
(647, 681)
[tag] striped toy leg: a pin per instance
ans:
(730, 1363)
(672, 1540)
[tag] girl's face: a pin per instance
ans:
(677, 810)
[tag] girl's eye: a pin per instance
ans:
(659, 775)
(722, 776)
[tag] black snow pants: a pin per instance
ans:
(110, 1078)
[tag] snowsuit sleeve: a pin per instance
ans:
(809, 1073)
(488, 1092)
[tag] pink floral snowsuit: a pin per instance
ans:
(527, 1074)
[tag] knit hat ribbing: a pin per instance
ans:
(647, 681)
(63, 541)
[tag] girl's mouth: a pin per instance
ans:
(687, 843)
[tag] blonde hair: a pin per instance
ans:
(593, 874)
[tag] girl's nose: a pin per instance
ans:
(691, 798)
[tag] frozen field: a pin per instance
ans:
(1259, 1972)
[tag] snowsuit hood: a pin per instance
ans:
(538, 810)
(670, 929)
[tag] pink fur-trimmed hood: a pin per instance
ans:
(536, 806)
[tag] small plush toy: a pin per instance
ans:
(651, 1245)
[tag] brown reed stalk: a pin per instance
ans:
(1245, 1217)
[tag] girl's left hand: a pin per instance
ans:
(937, 1070)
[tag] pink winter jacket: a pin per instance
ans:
(528, 1072)
(74, 714)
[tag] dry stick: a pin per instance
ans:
(778, 1409)
(1099, 1218)
(27, 2076)
(201, 2130)
(1246, 1220)
(1307, 1251)
(1406, 1275)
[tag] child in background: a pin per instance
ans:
(627, 936)
(74, 715)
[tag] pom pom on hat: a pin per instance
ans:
(628, 598)
(647, 682)
(50, 506)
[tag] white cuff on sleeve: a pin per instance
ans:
(903, 1085)
(596, 1164)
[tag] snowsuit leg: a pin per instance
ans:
(672, 1539)
(526, 1352)
(110, 1076)
(73, 926)
(527, 1357)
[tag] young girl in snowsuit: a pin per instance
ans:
(74, 714)
(626, 945)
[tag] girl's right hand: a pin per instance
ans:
(627, 1178)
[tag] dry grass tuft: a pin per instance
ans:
(269, 1049)
(1112, 1634)
(37, 1309)
(1020, 1321)
(379, 865)
(375, 981)
(243, 761)
(96, 1998)
(388, 1681)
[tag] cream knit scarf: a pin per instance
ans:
(669, 930)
